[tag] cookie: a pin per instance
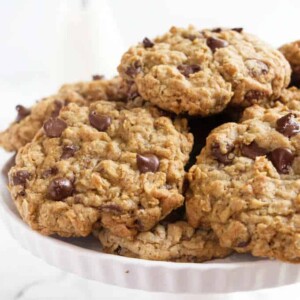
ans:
(120, 168)
(201, 73)
(29, 121)
(291, 52)
(172, 242)
(246, 184)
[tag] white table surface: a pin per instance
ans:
(29, 70)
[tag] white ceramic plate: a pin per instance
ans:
(83, 257)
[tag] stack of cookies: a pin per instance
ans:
(191, 153)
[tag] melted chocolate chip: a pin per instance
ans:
(254, 95)
(58, 107)
(215, 44)
(287, 125)
(282, 159)
(256, 67)
(20, 177)
(60, 188)
(69, 151)
(187, 70)
(54, 127)
(134, 69)
(238, 29)
(253, 150)
(100, 122)
(132, 95)
(23, 112)
(224, 158)
(98, 77)
(147, 163)
(217, 30)
(147, 43)
(175, 215)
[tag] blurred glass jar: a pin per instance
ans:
(87, 41)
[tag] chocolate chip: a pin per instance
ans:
(147, 163)
(254, 95)
(58, 107)
(134, 69)
(282, 159)
(20, 177)
(147, 43)
(238, 29)
(287, 125)
(23, 112)
(98, 77)
(69, 151)
(139, 225)
(175, 215)
(224, 158)
(256, 67)
(54, 127)
(111, 208)
(99, 122)
(295, 81)
(60, 188)
(253, 150)
(217, 30)
(50, 172)
(215, 44)
(187, 70)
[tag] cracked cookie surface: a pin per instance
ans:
(246, 184)
(200, 73)
(170, 242)
(105, 164)
(29, 121)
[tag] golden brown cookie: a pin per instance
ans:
(201, 73)
(108, 164)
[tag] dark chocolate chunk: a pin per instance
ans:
(253, 150)
(147, 43)
(147, 163)
(238, 29)
(98, 77)
(187, 70)
(54, 127)
(60, 188)
(282, 159)
(100, 122)
(50, 172)
(224, 158)
(69, 151)
(23, 112)
(134, 69)
(20, 177)
(215, 44)
(287, 125)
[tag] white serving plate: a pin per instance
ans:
(83, 257)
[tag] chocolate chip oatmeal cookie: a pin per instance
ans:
(172, 242)
(29, 121)
(201, 72)
(246, 184)
(291, 52)
(121, 168)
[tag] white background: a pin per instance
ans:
(45, 43)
